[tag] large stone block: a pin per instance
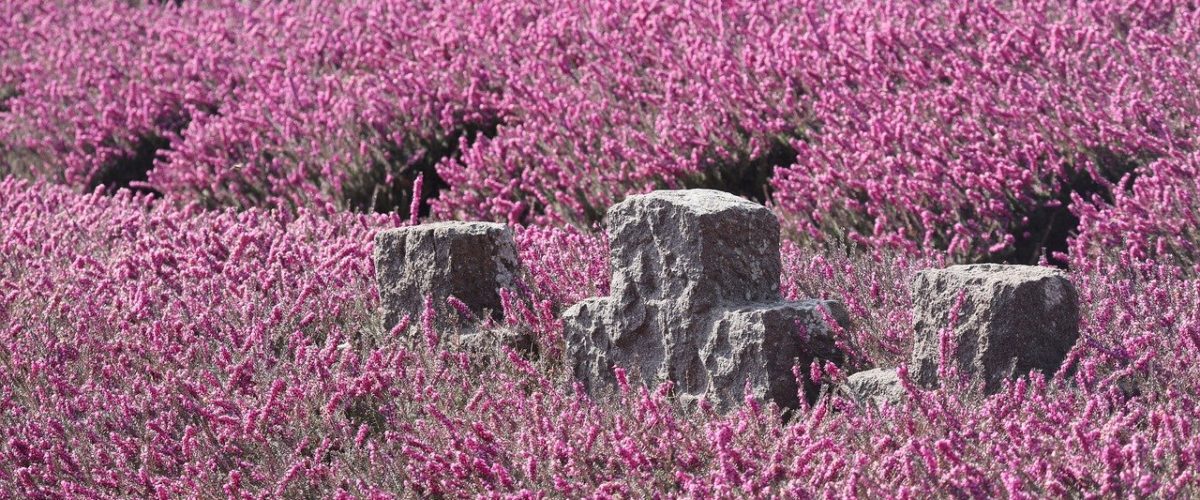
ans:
(698, 247)
(755, 348)
(1013, 319)
(715, 356)
(695, 300)
(469, 260)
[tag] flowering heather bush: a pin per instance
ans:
(570, 265)
(94, 90)
(1156, 223)
(235, 104)
(959, 128)
(224, 341)
(153, 350)
(965, 128)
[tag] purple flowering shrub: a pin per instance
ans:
(1156, 223)
(187, 297)
(154, 350)
(237, 104)
(962, 129)
(967, 127)
(95, 90)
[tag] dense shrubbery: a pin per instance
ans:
(959, 128)
(1155, 223)
(152, 350)
(965, 128)
(222, 340)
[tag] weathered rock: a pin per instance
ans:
(695, 300)
(698, 247)
(880, 386)
(1014, 319)
(758, 345)
(469, 260)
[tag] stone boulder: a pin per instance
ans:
(697, 247)
(695, 300)
(469, 260)
(1013, 319)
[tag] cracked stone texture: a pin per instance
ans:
(695, 300)
(880, 386)
(1014, 319)
(469, 260)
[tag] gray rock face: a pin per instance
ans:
(1014, 319)
(695, 300)
(698, 247)
(490, 341)
(878, 386)
(469, 260)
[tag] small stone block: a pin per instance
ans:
(469, 260)
(1014, 319)
(879, 387)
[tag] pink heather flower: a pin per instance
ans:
(428, 315)
(155, 343)
(622, 380)
(414, 207)
(401, 326)
(460, 306)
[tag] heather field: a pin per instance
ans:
(189, 192)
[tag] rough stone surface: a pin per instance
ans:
(880, 386)
(490, 341)
(469, 260)
(698, 247)
(695, 300)
(1014, 319)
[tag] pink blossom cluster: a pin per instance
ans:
(237, 103)
(1155, 223)
(224, 340)
(154, 350)
(943, 127)
(967, 127)
(85, 85)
